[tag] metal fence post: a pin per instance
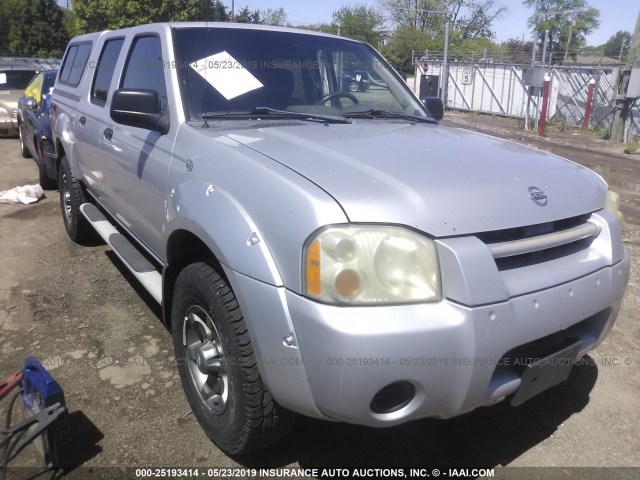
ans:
(545, 100)
(587, 112)
(445, 65)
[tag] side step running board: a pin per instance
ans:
(126, 251)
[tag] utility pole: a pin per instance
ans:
(445, 65)
(621, 49)
(566, 50)
(633, 57)
(544, 47)
(233, 10)
(623, 104)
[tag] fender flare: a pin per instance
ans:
(224, 226)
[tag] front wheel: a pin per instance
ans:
(71, 197)
(217, 365)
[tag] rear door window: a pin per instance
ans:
(104, 70)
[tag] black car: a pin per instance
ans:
(34, 126)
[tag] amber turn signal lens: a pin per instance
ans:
(313, 268)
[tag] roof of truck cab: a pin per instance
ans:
(220, 25)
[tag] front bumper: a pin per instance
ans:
(449, 352)
(329, 361)
(8, 126)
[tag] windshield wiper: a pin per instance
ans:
(259, 112)
(378, 113)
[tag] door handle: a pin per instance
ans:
(82, 120)
(108, 133)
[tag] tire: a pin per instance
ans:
(24, 151)
(228, 398)
(71, 197)
(354, 86)
(46, 182)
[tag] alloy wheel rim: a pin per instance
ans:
(66, 198)
(206, 359)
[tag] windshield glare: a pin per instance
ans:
(225, 70)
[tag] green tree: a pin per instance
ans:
(359, 22)
(406, 40)
(5, 16)
(618, 43)
(471, 18)
(247, 16)
(420, 25)
(517, 50)
(563, 18)
(274, 17)
(478, 22)
(71, 23)
(96, 15)
(32, 27)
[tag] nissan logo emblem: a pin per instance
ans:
(538, 196)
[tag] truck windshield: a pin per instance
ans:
(238, 70)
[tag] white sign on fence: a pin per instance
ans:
(467, 76)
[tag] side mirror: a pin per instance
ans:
(434, 106)
(30, 103)
(139, 108)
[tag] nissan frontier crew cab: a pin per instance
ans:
(322, 250)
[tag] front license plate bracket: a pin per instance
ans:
(546, 372)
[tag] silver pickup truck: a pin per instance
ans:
(324, 250)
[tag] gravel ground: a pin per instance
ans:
(79, 312)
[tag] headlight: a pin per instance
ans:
(371, 265)
(3, 112)
(612, 204)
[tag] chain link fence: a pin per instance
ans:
(30, 63)
(499, 89)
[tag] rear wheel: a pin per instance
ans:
(218, 368)
(71, 197)
(23, 148)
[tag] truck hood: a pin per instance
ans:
(441, 180)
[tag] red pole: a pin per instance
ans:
(587, 113)
(545, 101)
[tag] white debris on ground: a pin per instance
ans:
(25, 194)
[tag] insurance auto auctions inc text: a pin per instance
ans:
(375, 472)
